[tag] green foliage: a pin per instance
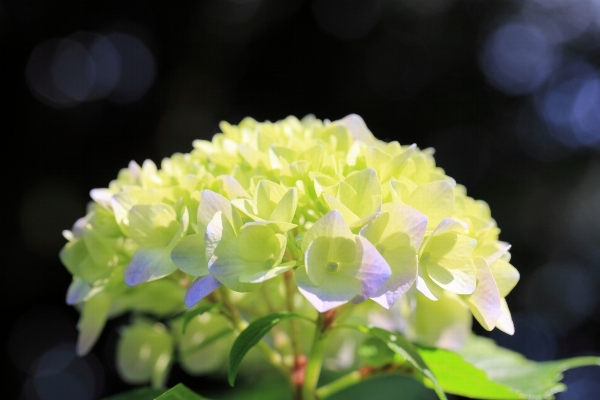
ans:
(481, 369)
(250, 338)
(180, 392)
(399, 345)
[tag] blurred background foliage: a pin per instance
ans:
(507, 92)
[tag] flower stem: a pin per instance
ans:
(295, 333)
(341, 383)
(315, 358)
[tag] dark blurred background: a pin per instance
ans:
(508, 93)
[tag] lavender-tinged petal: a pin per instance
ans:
(101, 196)
(505, 322)
(148, 265)
(373, 270)
(403, 262)
(485, 300)
(77, 291)
(201, 288)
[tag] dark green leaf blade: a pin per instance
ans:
(250, 336)
(180, 392)
(144, 393)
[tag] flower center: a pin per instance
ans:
(270, 262)
(380, 248)
(332, 266)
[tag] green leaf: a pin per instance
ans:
(481, 369)
(137, 394)
(180, 392)
(401, 346)
(251, 336)
(374, 353)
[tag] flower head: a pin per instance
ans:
(352, 218)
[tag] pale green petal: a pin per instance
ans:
(211, 203)
(427, 286)
(121, 203)
(184, 223)
(189, 255)
(267, 274)
(230, 187)
(505, 275)
(346, 193)
(323, 183)
(266, 197)
(435, 200)
(491, 251)
(335, 290)
(279, 227)
(330, 225)
(450, 249)
(401, 189)
(406, 220)
(73, 254)
(285, 210)
(335, 204)
(378, 160)
(447, 225)
(485, 300)
(448, 262)
(92, 320)
(316, 258)
(153, 225)
(228, 271)
(245, 206)
(254, 243)
(343, 249)
(398, 162)
(445, 323)
(374, 229)
(365, 183)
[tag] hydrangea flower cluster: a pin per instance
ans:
(352, 218)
